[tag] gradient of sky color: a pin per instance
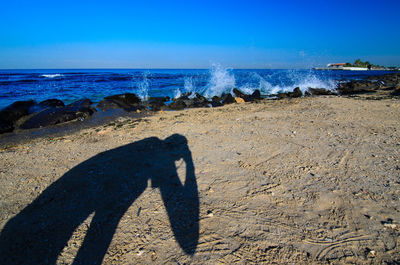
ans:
(195, 34)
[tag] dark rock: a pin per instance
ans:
(295, 94)
(54, 116)
(52, 103)
(256, 95)
(80, 109)
(6, 126)
(177, 105)
(80, 104)
(197, 102)
(190, 101)
(389, 88)
(387, 79)
(356, 87)
(127, 101)
(108, 104)
(186, 95)
(157, 103)
(201, 101)
(127, 98)
(227, 99)
(319, 92)
(216, 102)
(49, 103)
(395, 93)
(162, 99)
(282, 95)
(216, 99)
(239, 94)
(15, 111)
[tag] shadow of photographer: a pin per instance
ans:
(106, 185)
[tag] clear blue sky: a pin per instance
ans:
(195, 34)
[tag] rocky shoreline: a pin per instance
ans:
(25, 115)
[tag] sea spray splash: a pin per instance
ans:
(143, 87)
(271, 82)
(16, 85)
(256, 81)
(188, 87)
(222, 80)
(307, 80)
(315, 82)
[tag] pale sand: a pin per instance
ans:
(310, 180)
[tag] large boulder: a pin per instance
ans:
(10, 114)
(78, 110)
(109, 104)
(49, 103)
(16, 110)
(157, 103)
(127, 102)
(177, 105)
(295, 94)
(356, 87)
(196, 102)
(227, 99)
(256, 95)
(189, 100)
(80, 104)
(239, 93)
(127, 98)
(6, 126)
(216, 101)
(319, 92)
(52, 103)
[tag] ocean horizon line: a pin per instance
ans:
(100, 68)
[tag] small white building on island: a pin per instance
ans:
(338, 66)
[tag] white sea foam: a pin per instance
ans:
(177, 93)
(52, 75)
(188, 87)
(297, 79)
(222, 81)
(264, 86)
(143, 87)
(310, 80)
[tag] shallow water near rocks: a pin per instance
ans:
(97, 119)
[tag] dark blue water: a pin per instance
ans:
(71, 85)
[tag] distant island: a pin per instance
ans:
(358, 65)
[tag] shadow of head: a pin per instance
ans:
(106, 185)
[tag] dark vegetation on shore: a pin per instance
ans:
(30, 114)
(367, 64)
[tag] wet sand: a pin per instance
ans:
(308, 180)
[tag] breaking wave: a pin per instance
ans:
(96, 84)
(52, 75)
(223, 80)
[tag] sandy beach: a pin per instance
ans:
(305, 181)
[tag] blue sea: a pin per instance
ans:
(95, 84)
